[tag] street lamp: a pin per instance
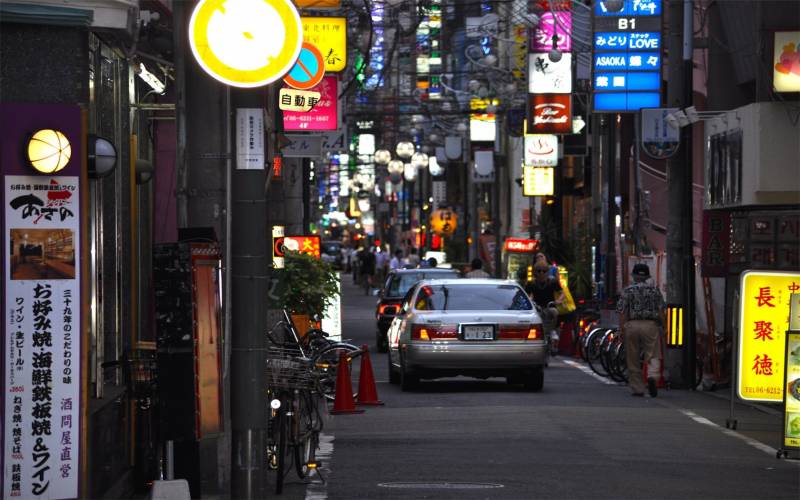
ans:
(395, 167)
(409, 172)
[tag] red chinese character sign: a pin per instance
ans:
(43, 325)
(763, 322)
(304, 244)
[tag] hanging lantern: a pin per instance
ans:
(395, 167)
(405, 150)
(444, 221)
(410, 172)
(420, 160)
(382, 156)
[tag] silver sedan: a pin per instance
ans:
(474, 327)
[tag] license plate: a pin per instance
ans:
(478, 332)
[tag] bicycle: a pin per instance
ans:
(295, 417)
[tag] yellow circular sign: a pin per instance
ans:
(444, 221)
(245, 43)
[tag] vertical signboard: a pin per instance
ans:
(250, 139)
(42, 324)
(763, 320)
(627, 56)
(323, 115)
(329, 35)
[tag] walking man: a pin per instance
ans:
(477, 270)
(641, 309)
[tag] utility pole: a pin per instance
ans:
(250, 277)
(680, 258)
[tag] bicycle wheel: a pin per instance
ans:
(282, 429)
(309, 423)
(326, 363)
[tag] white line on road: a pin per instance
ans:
(588, 371)
(318, 489)
(729, 432)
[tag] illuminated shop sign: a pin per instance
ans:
(550, 113)
(627, 56)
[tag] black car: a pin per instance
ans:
(398, 282)
(332, 253)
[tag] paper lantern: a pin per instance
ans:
(444, 221)
(49, 151)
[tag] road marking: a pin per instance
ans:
(588, 371)
(729, 432)
(317, 489)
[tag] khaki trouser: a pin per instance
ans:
(641, 342)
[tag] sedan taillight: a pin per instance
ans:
(434, 332)
(519, 332)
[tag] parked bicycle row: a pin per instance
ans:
(301, 378)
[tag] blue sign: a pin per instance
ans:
(627, 41)
(625, 101)
(627, 56)
(630, 8)
(627, 81)
(614, 61)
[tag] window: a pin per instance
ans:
(402, 282)
(724, 169)
(455, 297)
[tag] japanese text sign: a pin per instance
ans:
(42, 324)
(325, 113)
(302, 101)
(550, 23)
(521, 245)
(537, 181)
(763, 321)
(791, 415)
(548, 77)
(627, 56)
(303, 244)
(329, 35)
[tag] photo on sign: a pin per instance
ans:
(42, 254)
(794, 388)
(793, 424)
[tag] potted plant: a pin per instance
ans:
(310, 285)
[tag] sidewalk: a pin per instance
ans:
(759, 425)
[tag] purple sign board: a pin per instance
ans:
(323, 116)
(554, 22)
(43, 322)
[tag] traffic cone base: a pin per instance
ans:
(367, 392)
(343, 403)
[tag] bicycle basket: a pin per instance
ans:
(287, 372)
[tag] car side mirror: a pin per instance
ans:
(390, 310)
(376, 293)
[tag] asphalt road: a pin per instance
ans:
(578, 438)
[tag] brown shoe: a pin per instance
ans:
(651, 387)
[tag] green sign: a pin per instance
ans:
(791, 398)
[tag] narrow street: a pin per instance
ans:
(579, 438)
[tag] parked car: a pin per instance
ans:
(474, 327)
(396, 285)
(332, 253)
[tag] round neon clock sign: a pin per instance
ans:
(245, 43)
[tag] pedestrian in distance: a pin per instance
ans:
(477, 270)
(397, 260)
(412, 260)
(641, 307)
(432, 262)
(547, 293)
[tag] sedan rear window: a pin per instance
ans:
(402, 282)
(472, 298)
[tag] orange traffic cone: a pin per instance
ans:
(367, 392)
(343, 403)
